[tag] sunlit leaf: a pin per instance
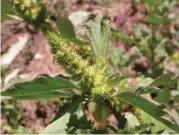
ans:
(149, 108)
(58, 126)
(146, 118)
(79, 17)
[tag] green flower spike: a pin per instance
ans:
(32, 11)
(94, 78)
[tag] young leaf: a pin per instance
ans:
(149, 108)
(39, 86)
(98, 35)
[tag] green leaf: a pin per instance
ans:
(164, 97)
(122, 121)
(98, 35)
(132, 120)
(78, 122)
(6, 7)
(39, 86)
(118, 57)
(6, 10)
(63, 119)
(163, 79)
(45, 95)
(156, 20)
(149, 108)
(116, 79)
(123, 37)
(145, 90)
(141, 129)
(160, 49)
(67, 31)
(145, 118)
(76, 41)
(153, 4)
(66, 28)
(68, 106)
(145, 82)
(58, 126)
